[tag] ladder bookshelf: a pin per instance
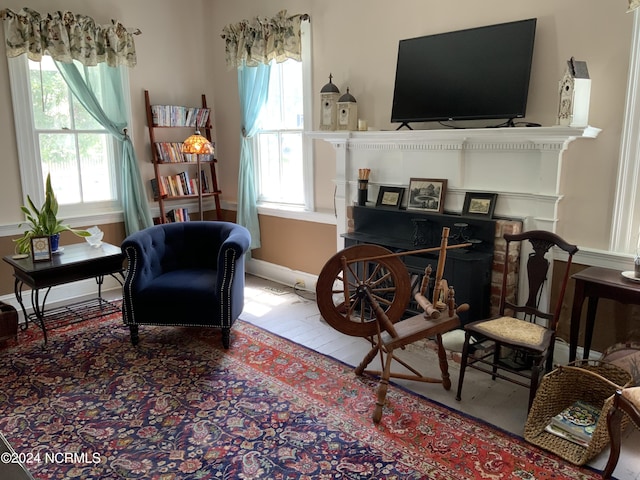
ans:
(178, 176)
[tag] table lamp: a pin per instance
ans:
(198, 145)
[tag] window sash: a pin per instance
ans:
(27, 137)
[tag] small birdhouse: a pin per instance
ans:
(329, 108)
(574, 95)
(347, 112)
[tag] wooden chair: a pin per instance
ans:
(626, 400)
(529, 342)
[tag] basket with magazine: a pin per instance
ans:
(569, 413)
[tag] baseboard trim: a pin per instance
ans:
(280, 274)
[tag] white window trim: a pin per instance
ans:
(307, 99)
(280, 209)
(30, 171)
(626, 218)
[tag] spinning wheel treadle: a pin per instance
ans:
(369, 271)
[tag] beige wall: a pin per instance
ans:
(357, 41)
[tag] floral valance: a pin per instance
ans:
(67, 36)
(263, 39)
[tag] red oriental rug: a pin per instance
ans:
(92, 406)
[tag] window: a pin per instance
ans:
(282, 152)
(625, 236)
(57, 135)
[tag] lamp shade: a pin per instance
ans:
(197, 144)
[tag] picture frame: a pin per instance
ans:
(427, 194)
(41, 249)
(481, 204)
(389, 197)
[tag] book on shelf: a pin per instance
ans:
(207, 180)
(177, 185)
(179, 116)
(575, 423)
(178, 215)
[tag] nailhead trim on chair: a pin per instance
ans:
(228, 263)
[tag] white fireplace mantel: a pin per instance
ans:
(522, 164)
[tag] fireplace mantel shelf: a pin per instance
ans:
(523, 165)
(517, 137)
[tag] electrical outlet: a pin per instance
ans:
(300, 283)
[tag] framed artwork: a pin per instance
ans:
(389, 197)
(481, 204)
(427, 194)
(40, 249)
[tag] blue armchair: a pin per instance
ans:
(185, 274)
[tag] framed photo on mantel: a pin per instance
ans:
(427, 194)
(481, 204)
(390, 197)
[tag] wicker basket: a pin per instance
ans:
(589, 381)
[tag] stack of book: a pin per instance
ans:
(575, 423)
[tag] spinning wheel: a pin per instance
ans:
(364, 290)
(355, 276)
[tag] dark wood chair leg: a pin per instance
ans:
(463, 364)
(226, 337)
(535, 379)
(135, 338)
(614, 419)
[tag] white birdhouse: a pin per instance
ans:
(329, 108)
(574, 95)
(347, 112)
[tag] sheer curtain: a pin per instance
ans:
(66, 37)
(250, 47)
(253, 85)
(110, 112)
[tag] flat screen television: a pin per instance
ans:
(474, 74)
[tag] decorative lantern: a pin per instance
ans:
(574, 93)
(329, 110)
(347, 112)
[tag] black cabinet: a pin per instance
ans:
(467, 270)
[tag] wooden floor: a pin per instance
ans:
(293, 314)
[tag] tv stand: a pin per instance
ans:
(404, 124)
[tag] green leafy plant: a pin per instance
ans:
(43, 221)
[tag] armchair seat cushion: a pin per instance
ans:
(191, 286)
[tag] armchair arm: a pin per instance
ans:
(231, 273)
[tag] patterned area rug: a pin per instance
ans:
(92, 406)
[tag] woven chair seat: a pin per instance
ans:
(512, 330)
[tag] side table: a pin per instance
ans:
(75, 262)
(594, 283)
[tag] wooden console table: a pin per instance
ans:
(76, 262)
(594, 283)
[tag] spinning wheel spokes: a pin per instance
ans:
(351, 278)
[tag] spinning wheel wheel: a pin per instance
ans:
(356, 281)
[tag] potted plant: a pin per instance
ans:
(43, 222)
